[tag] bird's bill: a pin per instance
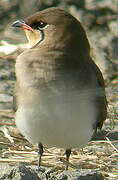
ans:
(22, 25)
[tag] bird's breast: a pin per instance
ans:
(57, 119)
(52, 106)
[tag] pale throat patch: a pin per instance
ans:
(33, 37)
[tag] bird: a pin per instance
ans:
(59, 96)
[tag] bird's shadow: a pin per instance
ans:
(101, 135)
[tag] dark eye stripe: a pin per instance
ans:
(39, 25)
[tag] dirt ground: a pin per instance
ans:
(98, 160)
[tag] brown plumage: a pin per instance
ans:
(60, 94)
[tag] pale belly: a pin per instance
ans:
(57, 122)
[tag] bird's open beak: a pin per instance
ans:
(22, 25)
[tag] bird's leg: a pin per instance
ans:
(67, 153)
(40, 152)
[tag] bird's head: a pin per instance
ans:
(54, 27)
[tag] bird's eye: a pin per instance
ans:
(42, 25)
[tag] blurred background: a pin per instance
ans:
(100, 20)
